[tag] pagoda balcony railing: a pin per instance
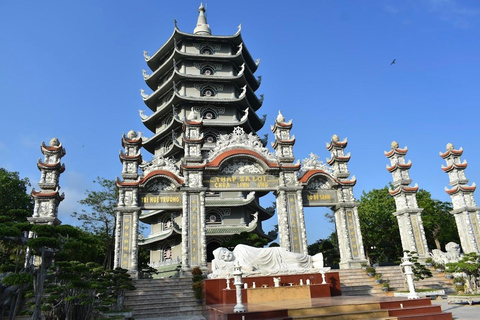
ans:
(167, 262)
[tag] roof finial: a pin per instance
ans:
(202, 25)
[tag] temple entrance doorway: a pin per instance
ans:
(317, 224)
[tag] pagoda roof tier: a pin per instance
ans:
(399, 151)
(223, 229)
(336, 143)
(251, 200)
(162, 235)
(171, 64)
(289, 142)
(53, 149)
(345, 158)
(151, 241)
(451, 151)
(404, 166)
(351, 182)
(151, 101)
(176, 78)
(137, 157)
(150, 144)
(155, 60)
(458, 166)
(152, 121)
(403, 189)
(464, 188)
(49, 195)
(50, 166)
(230, 202)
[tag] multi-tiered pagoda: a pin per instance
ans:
(210, 168)
(202, 86)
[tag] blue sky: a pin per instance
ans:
(72, 70)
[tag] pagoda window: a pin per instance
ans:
(210, 139)
(209, 114)
(167, 253)
(213, 218)
(206, 50)
(208, 71)
(208, 92)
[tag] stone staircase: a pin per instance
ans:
(337, 308)
(157, 298)
(355, 282)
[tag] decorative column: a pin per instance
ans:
(194, 244)
(409, 216)
(48, 198)
(352, 253)
(291, 220)
(127, 211)
(465, 209)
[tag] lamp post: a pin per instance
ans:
(407, 265)
(237, 281)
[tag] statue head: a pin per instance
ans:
(223, 254)
(453, 248)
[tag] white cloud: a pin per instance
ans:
(453, 12)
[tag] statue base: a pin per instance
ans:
(262, 288)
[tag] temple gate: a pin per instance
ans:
(210, 168)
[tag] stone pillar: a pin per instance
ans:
(48, 198)
(291, 221)
(350, 242)
(409, 216)
(128, 210)
(465, 209)
(194, 242)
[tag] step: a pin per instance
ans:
(369, 314)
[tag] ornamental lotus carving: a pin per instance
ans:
(239, 139)
(159, 163)
(313, 163)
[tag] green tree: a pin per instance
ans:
(379, 227)
(380, 230)
(438, 222)
(469, 265)
(248, 238)
(15, 206)
(331, 257)
(100, 219)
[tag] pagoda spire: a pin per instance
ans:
(409, 215)
(49, 197)
(202, 26)
(465, 210)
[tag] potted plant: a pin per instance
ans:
(459, 281)
(370, 271)
(386, 285)
(439, 267)
(197, 286)
(378, 278)
(429, 262)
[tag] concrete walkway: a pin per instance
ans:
(459, 311)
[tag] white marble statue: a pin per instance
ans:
(263, 261)
(452, 255)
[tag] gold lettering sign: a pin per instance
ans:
(161, 200)
(313, 198)
(260, 181)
